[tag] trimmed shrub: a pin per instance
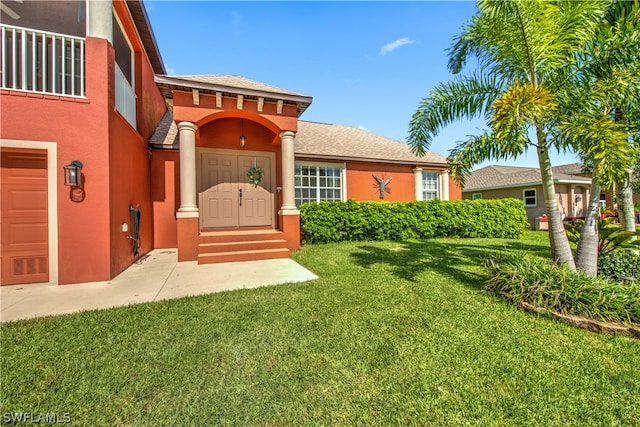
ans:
(341, 221)
(544, 284)
(619, 263)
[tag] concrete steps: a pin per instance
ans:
(241, 245)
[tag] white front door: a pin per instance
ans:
(227, 198)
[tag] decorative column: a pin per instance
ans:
(417, 183)
(289, 213)
(188, 204)
(187, 215)
(444, 185)
(288, 171)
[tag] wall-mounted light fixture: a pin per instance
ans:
(242, 140)
(73, 178)
(73, 174)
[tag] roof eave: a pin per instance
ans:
(369, 160)
(141, 19)
(302, 101)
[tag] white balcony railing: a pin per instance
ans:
(42, 62)
(125, 97)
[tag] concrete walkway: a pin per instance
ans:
(157, 276)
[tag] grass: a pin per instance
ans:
(392, 333)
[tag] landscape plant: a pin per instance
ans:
(548, 285)
(355, 220)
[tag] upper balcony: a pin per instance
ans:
(42, 62)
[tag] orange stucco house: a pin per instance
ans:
(105, 157)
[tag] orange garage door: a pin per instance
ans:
(25, 243)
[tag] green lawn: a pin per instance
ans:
(393, 333)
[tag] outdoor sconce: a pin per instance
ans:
(242, 134)
(73, 174)
(73, 178)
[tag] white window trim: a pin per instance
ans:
(343, 173)
(438, 184)
(535, 197)
(476, 196)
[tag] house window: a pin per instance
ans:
(124, 74)
(603, 200)
(123, 51)
(476, 196)
(429, 185)
(530, 198)
(316, 182)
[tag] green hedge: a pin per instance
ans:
(341, 221)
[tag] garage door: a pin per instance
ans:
(24, 227)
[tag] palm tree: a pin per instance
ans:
(599, 118)
(523, 48)
(621, 36)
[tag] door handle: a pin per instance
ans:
(241, 197)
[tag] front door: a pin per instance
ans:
(227, 198)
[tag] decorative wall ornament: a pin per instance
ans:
(382, 185)
(255, 175)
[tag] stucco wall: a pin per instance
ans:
(129, 164)
(79, 128)
(165, 197)
(360, 182)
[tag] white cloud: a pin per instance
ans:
(389, 47)
(170, 71)
(363, 128)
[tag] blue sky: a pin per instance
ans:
(366, 64)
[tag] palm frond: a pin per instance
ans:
(476, 149)
(462, 98)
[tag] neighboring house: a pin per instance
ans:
(496, 182)
(164, 159)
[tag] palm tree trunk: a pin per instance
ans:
(587, 251)
(624, 195)
(560, 249)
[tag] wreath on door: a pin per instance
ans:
(255, 175)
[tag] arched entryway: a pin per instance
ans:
(236, 173)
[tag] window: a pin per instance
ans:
(529, 197)
(316, 183)
(123, 51)
(429, 185)
(476, 196)
(603, 200)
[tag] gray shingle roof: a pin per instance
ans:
(166, 133)
(514, 176)
(323, 140)
(237, 82)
